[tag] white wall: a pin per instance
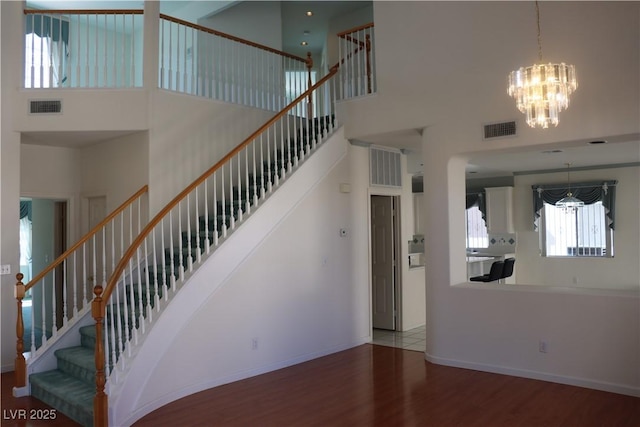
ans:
(620, 272)
(189, 135)
(257, 21)
(116, 168)
(285, 278)
(10, 178)
(455, 57)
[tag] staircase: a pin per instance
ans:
(71, 387)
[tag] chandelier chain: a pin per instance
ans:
(539, 37)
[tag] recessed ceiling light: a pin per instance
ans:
(303, 43)
(599, 141)
(309, 13)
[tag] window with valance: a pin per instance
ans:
(475, 216)
(584, 231)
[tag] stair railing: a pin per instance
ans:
(62, 291)
(357, 76)
(195, 223)
(83, 48)
(201, 61)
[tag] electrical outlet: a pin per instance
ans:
(542, 346)
(254, 344)
(5, 269)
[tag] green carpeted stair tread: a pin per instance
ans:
(78, 362)
(67, 394)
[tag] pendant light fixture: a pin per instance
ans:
(569, 202)
(542, 90)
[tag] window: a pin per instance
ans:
(576, 232)
(477, 236)
(586, 231)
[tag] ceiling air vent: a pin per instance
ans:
(48, 106)
(499, 130)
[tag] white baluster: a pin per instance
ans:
(165, 287)
(139, 315)
(172, 263)
(269, 174)
(232, 220)
(64, 293)
(207, 242)
(75, 284)
(255, 175)
(180, 251)
(239, 211)
(223, 198)
(85, 278)
(247, 204)
(197, 224)
(215, 210)
(148, 312)
(44, 303)
(189, 246)
(54, 305)
(117, 324)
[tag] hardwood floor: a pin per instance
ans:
(381, 386)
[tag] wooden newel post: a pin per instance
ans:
(100, 401)
(309, 84)
(21, 363)
(368, 50)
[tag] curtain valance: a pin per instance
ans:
(478, 199)
(588, 192)
(25, 209)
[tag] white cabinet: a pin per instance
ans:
(500, 209)
(418, 213)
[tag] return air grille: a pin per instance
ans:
(498, 130)
(385, 168)
(45, 106)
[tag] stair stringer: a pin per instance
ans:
(124, 398)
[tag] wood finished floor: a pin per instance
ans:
(381, 386)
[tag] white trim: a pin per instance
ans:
(537, 375)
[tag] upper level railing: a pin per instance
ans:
(62, 291)
(357, 53)
(208, 63)
(83, 48)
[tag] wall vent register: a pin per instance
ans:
(499, 130)
(385, 168)
(45, 106)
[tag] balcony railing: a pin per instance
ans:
(200, 61)
(83, 48)
(357, 54)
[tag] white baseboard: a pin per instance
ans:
(7, 368)
(21, 391)
(536, 375)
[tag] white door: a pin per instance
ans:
(382, 262)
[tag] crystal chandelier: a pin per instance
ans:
(569, 202)
(542, 90)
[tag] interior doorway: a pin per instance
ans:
(385, 232)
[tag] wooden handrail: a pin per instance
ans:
(353, 30)
(230, 37)
(86, 237)
(113, 280)
(84, 11)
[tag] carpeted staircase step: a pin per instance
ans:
(69, 395)
(79, 362)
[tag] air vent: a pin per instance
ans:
(385, 168)
(49, 106)
(499, 130)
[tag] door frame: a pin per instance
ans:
(396, 194)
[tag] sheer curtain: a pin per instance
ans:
(25, 240)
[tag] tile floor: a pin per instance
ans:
(413, 339)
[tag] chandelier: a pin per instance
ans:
(569, 202)
(542, 90)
